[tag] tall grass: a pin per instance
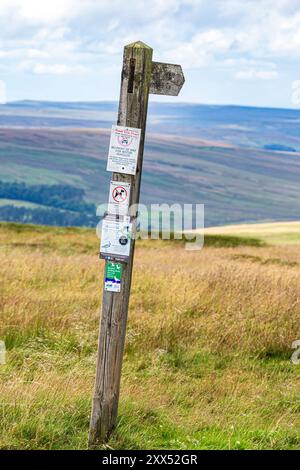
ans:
(207, 360)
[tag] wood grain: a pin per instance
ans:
(133, 105)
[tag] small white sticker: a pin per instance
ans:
(115, 239)
(123, 150)
(119, 196)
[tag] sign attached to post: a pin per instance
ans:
(166, 79)
(119, 196)
(116, 238)
(113, 276)
(123, 150)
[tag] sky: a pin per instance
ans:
(232, 51)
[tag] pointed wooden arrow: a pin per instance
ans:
(166, 79)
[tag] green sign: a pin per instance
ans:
(113, 276)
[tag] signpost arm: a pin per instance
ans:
(135, 84)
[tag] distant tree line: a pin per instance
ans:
(58, 195)
(65, 205)
(47, 217)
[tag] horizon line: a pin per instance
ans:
(190, 103)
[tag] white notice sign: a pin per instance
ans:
(123, 150)
(119, 196)
(115, 239)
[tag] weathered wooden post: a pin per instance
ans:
(140, 76)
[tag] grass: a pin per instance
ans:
(279, 233)
(207, 361)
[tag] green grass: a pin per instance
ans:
(274, 233)
(217, 241)
(207, 359)
(231, 241)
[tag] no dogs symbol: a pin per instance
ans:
(119, 194)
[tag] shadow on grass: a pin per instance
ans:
(231, 241)
(87, 246)
(218, 241)
(21, 228)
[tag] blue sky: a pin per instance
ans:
(232, 51)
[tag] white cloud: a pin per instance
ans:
(9, 53)
(46, 11)
(248, 40)
(35, 10)
(202, 48)
(252, 74)
(261, 32)
(226, 29)
(36, 53)
(2, 92)
(40, 68)
(58, 69)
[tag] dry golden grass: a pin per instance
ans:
(276, 233)
(207, 362)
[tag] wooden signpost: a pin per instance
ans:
(140, 76)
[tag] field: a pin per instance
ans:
(280, 233)
(207, 362)
(242, 163)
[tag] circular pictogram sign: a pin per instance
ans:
(123, 240)
(125, 140)
(119, 194)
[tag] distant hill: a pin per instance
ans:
(223, 156)
(279, 148)
(239, 125)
